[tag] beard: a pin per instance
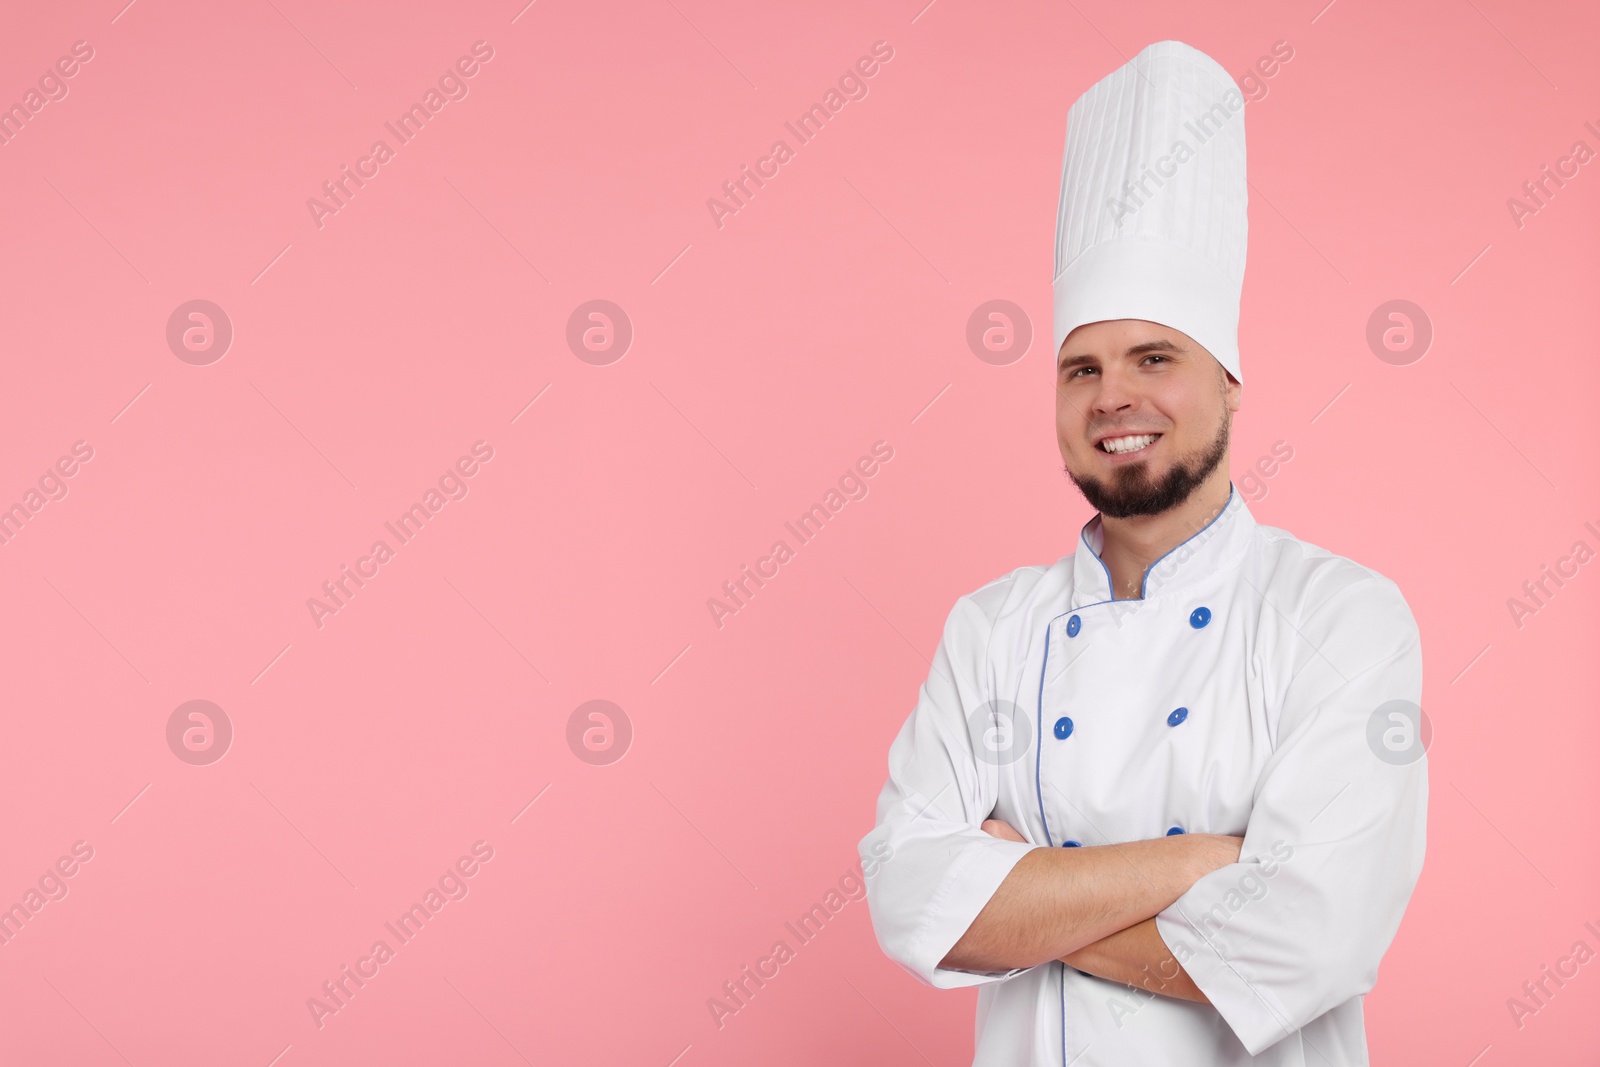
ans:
(1130, 490)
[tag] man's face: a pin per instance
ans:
(1131, 378)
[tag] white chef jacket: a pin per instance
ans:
(1235, 697)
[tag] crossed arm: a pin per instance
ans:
(1093, 908)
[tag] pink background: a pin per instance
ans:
(768, 354)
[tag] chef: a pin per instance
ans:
(1164, 800)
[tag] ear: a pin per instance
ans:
(1232, 390)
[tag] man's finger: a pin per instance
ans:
(1002, 829)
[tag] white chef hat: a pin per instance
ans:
(1152, 223)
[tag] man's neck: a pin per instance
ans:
(1130, 545)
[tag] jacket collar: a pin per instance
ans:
(1218, 544)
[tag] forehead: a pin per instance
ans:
(1120, 333)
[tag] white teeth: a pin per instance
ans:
(1119, 445)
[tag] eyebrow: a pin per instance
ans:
(1136, 350)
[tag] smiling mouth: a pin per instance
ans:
(1122, 446)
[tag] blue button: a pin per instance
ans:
(1063, 728)
(1072, 844)
(1177, 716)
(1175, 830)
(1199, 617)
(1074, 624)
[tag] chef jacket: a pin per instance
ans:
(1242, 694)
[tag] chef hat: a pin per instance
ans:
(1152, 223)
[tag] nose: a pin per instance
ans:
(1117, 391)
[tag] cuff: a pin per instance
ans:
(968, 885)
(1251, 1011)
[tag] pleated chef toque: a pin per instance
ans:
(1152, 223)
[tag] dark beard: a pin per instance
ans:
(1131, 492)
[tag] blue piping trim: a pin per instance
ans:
(1038, 780)
(1064, 1014)
(1038, 752)
(1144, 577)
(1180, 544)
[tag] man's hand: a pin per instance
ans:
(1002, 829)
(1056, 901)
(1213, 851)
(1136, 955)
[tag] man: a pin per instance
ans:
(1163, 801)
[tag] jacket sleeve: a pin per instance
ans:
(1335, 840)
(932, 866)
